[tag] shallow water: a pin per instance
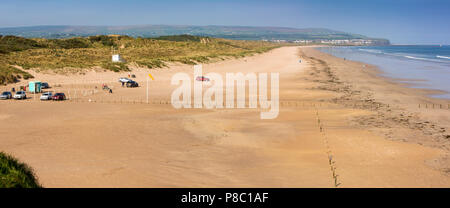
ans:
(424, 66)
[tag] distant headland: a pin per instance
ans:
(273, 34)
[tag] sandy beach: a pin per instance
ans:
(340, 125)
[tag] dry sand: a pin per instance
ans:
(339, 125)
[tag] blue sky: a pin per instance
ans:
(401, 21)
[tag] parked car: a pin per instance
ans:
(5, 95)
(202, 79)
(132, 84)
(20, 95)
(46, 96)
(44, 85)
(59, 96)
(124, 79)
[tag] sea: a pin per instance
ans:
(422, 66)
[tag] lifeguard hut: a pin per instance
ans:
(116, 56)
(34, 86)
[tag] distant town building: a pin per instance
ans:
(302, 41)
(337, 42)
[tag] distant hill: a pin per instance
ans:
(229, 32)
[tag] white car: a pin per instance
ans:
(20, 95)
(124, 80)
(46, 96)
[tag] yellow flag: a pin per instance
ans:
(150, 75)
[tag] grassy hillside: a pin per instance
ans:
(14, 174)
(229, 32)
(9, 74)
(66, 55)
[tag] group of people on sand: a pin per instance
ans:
(105, 87)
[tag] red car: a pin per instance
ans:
(59, 96)
(202, 79)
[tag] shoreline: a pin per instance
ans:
(425, 93)
(375, 73)
(417, 102)
(429, 92)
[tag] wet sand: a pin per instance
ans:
(339, 126)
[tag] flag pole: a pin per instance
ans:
(147, 89)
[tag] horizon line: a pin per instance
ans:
(76, 25)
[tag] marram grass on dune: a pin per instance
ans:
(14, 174)
(66, 55)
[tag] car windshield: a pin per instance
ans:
(4, 93)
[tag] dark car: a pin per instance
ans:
(202, 79)
(59, 96)
(5, 95)
(132, 84)
(44, 85)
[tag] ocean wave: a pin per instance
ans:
(417, 58)
(370, 50)
(429, 59)
(443, 57)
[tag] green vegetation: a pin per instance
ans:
(180, 38)
(14, 174)
(82, 53)
(12, 43)
(116, 67)
(9, 74)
